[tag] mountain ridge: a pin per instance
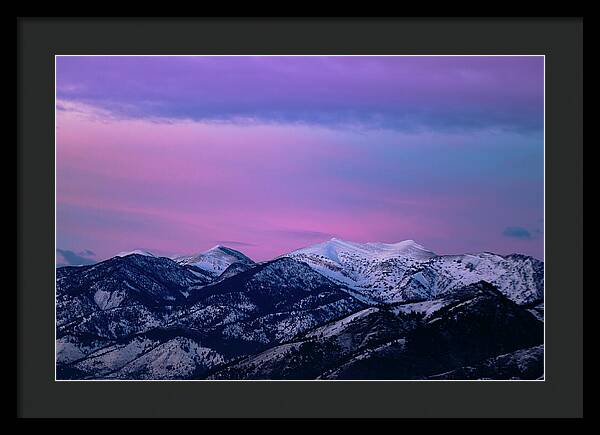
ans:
(149, 317)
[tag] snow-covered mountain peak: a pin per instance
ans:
(215, 260)
(363, 266)
(405, 271)
(215, 248)
(404, 248)
(137, 252)
(334, 248)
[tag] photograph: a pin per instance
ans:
(299, 218)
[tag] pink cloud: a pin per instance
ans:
(180, 186)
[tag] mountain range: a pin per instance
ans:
(335, 310)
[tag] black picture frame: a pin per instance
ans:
(560, 40)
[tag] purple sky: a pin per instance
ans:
(269, 154)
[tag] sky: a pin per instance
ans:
(269, 154)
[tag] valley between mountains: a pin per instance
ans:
(338, 310)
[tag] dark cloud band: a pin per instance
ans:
(399, 93)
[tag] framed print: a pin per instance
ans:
(311, 176)
(302, 220)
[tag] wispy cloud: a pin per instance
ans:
(233, 243)
(66, 257)
(517, 232)
(303, 234)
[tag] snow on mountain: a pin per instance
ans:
(538, 311)
(271, 301)
(363, 266)
(234, 269)
(475, 323)
(338, 326)
(406, 271)
(341, 250)
(151, 318)
(120, 296)
(518, 277)
(338, 309)
(177, 358)
(215, 260)
(149, 357)
(137, 252)
(525, 363)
